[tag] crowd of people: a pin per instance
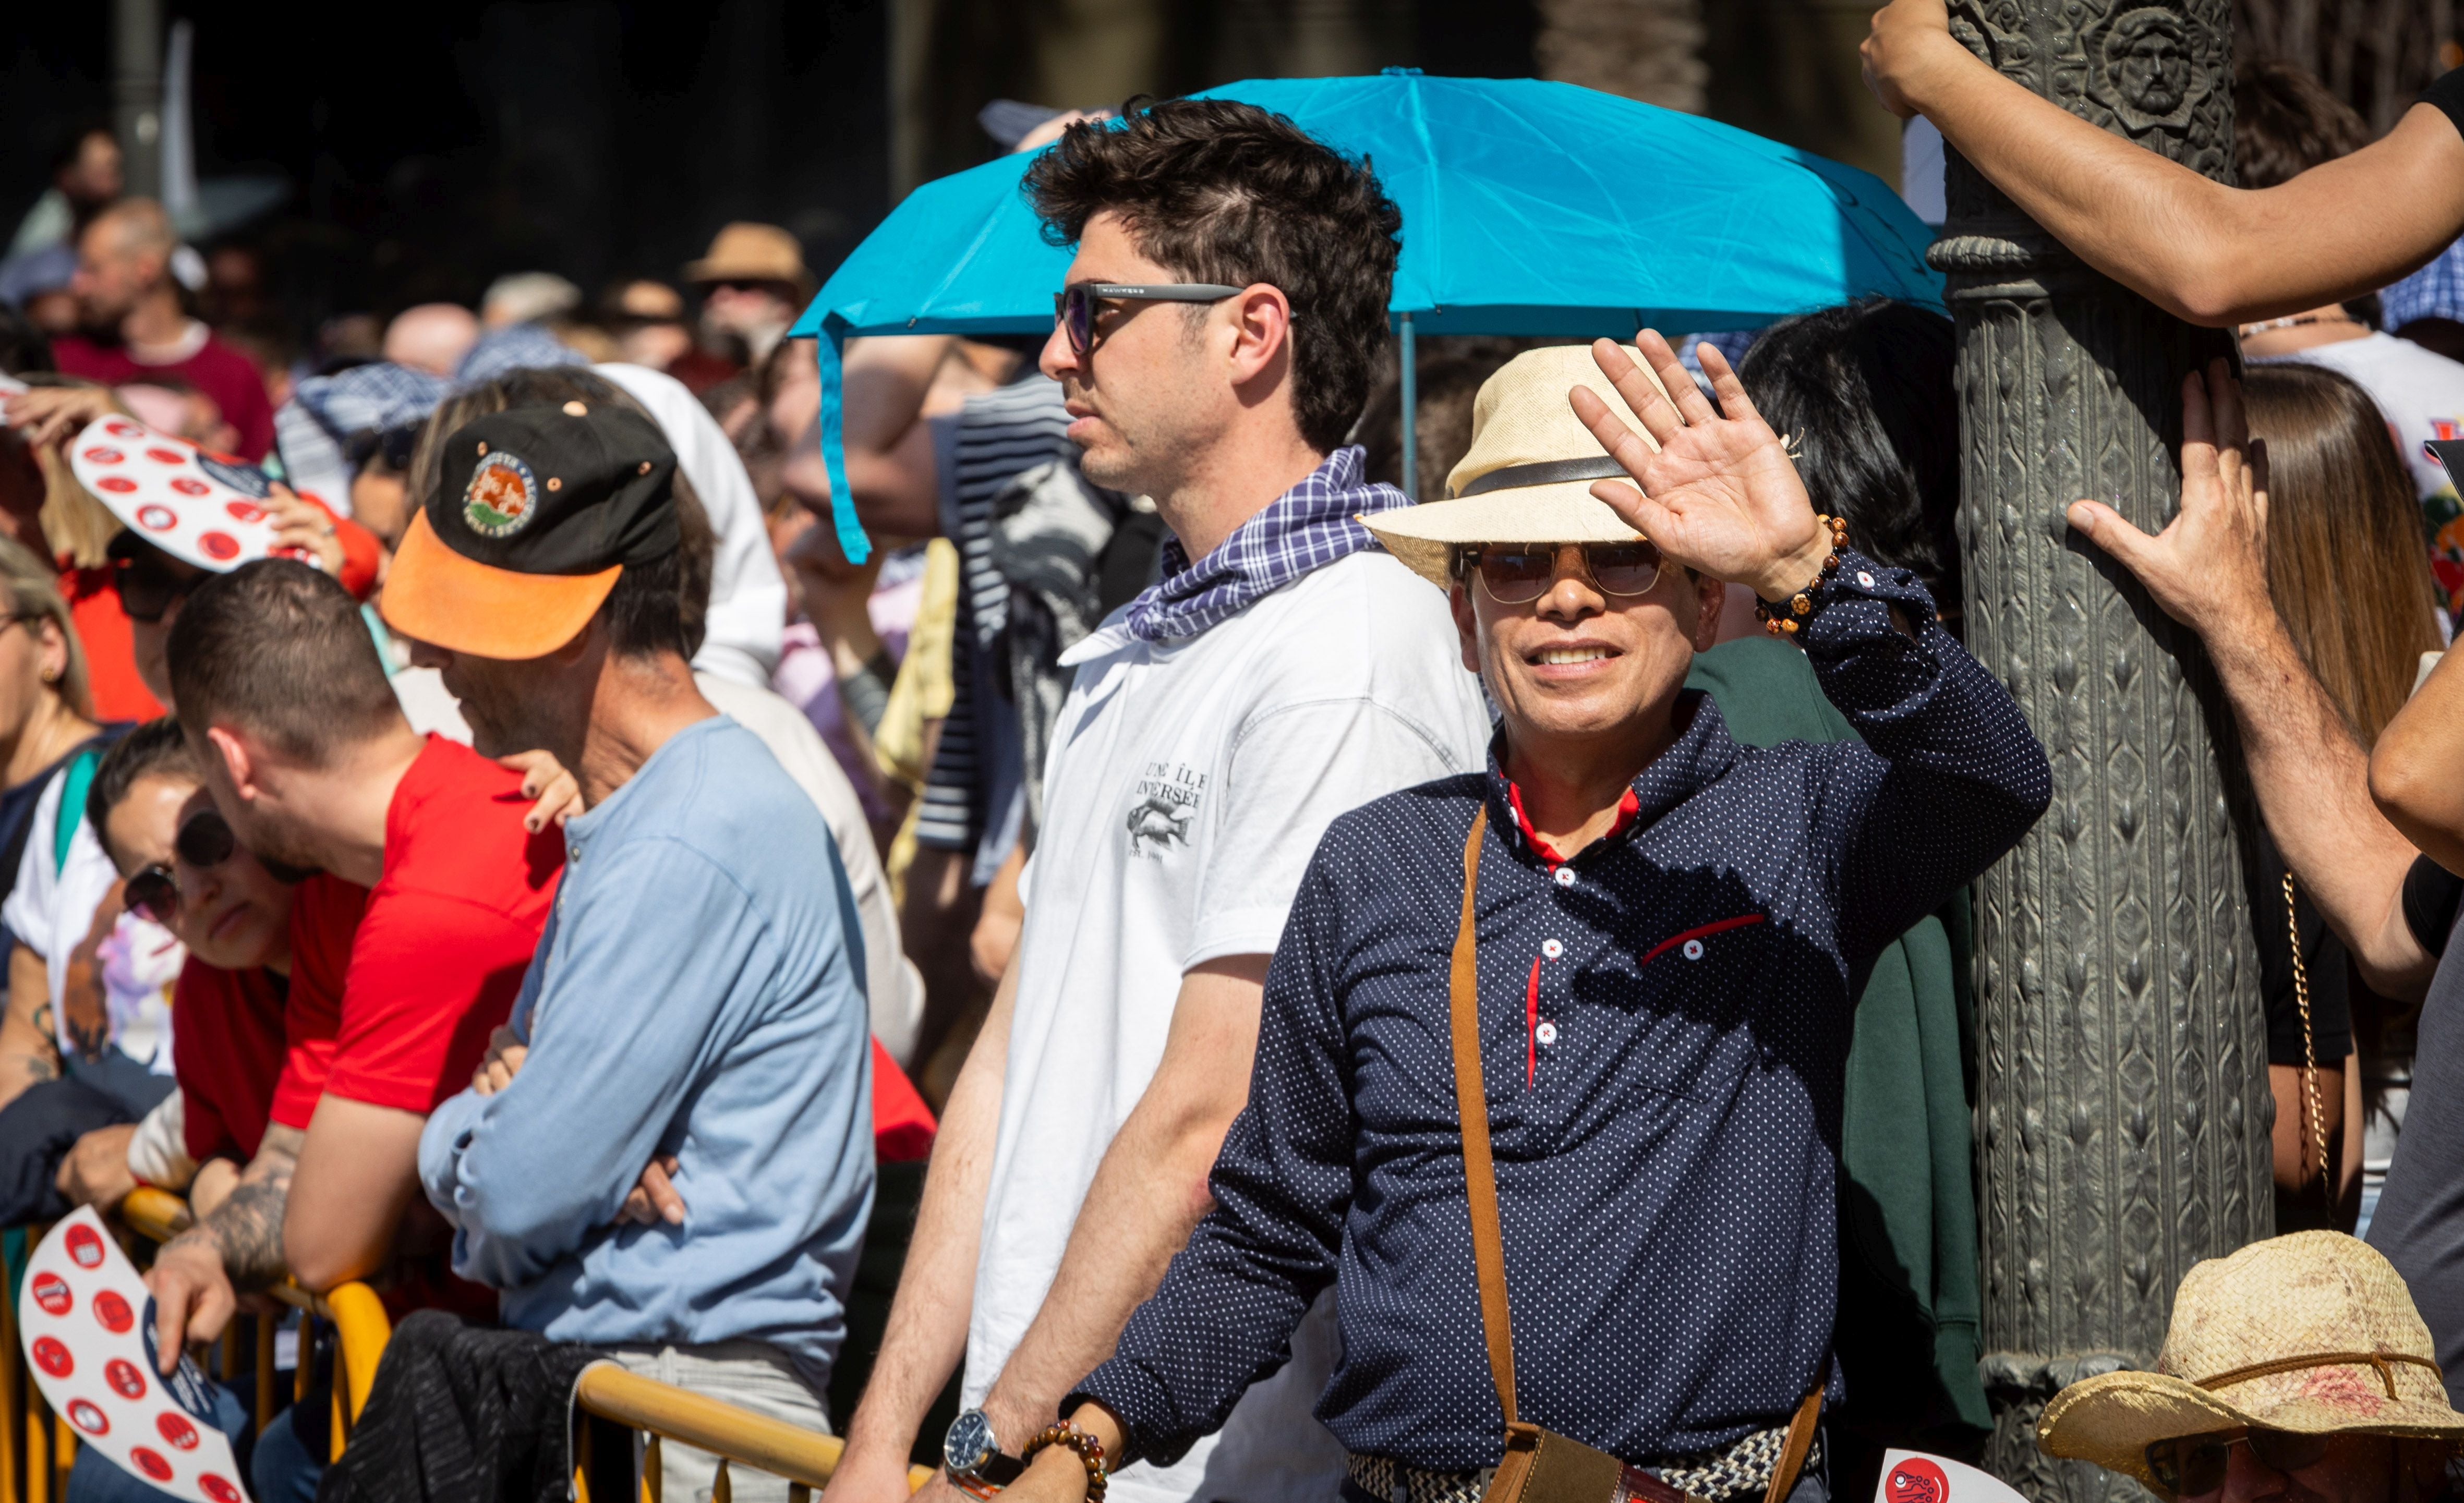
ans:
(546, 880)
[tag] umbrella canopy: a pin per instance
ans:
(1528, 207)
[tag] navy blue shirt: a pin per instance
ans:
(1663, 1021)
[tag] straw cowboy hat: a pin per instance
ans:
(1528, 477)
(2313, 1332)
(745, 251)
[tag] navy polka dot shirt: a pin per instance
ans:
(1663, 1025)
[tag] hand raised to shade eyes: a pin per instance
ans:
(1720, 494)
(2207, 568)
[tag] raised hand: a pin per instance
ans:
(1720, 494)
(2207, 568)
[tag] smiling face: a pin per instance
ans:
(232, 914)
(1577, 665)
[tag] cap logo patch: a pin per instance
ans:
(501, 495)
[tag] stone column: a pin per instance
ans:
(2123, 1082)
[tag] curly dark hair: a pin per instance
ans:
(1220, 191)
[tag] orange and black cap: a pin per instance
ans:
(536, 512)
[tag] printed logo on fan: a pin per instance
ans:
(113, 1312)
(85, 1246)
(218, 1489)
(126, 1378)
(1163, 805)
(1917, 1480)
(52, 1292)
(246, 479)
(51, 1356)
(87, 1418)
(150, 1463)
(176, 1431)
(501, 497)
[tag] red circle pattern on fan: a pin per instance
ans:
(176, 1430)
(126, 1377)
(204, 509)
(113, 1312)
(87, 1418)
(52, 1292)
(85, 1246)
(152, 1463)
(52, 1357)
(220, 1491)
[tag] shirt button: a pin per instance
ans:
(1866, 578)
(1693, 949)
(1565, 875)
(1552, 949)
(1546, 1033)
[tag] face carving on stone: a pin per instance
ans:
(2150, 55)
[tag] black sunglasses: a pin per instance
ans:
(203, 842)
(148, 588)
(1073, 307)
(2194, 1466)
(1519, 574)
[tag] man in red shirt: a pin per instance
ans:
(306, 754)
(134, 330)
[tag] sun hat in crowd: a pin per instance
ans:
(2313, 1332)
(536, 514)
(745, 251)
(1527, 476)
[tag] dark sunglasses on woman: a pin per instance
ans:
(1517, 573)
(2194, 1466)
(203, 842)
(148, 587)
(1073, 307)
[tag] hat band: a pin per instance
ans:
(1551, 472)
(2381, 1360)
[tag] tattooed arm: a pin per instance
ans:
(29, 1054)
(240, 1244)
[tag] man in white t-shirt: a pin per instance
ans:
(1215, 346)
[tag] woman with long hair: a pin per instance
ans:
(2350, 570)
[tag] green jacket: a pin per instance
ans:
(1905, 1335)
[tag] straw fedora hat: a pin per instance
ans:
(1527, 476)
(2314, 1332)
(745, 251)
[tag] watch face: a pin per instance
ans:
(970, 1442)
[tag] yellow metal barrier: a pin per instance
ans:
(664, 1412)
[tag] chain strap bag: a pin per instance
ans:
(1541, 1465)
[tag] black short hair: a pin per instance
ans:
(1863, 392)
(155, 748)
(23, 348)
(1220, 191)
(2285, 122)
(278, 649)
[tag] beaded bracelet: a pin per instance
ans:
(1780, 621)
(1090, 1453)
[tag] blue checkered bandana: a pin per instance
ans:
(2434, 292)
(1306, 527)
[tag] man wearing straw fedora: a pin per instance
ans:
(1549, 1080)
(2296, 1368)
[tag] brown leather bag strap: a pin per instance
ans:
(1800, 1439)
(1471, 1104)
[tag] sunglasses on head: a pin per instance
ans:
(1517, 573)
(2194, 1466)
(204, 842)
(1073, 307)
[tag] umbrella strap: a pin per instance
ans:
(2381, 1360)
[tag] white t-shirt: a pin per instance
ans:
(1188, 787)
(2419, 392)
(748, 596)
(52, 909)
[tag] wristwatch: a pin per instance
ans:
(974, 1457)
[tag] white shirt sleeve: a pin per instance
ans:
(748, 599)
(1294, 768)
(158, 1155)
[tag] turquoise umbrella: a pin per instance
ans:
(1528, 209)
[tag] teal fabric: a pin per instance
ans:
(1521, 215)
(1909, 1293)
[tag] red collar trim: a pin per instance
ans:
(1628, 809)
